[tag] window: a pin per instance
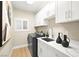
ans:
(24, 24)
(20, 24)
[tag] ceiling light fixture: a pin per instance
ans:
(30, 1)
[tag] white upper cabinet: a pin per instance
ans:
(50, 9)
(39, 19)
(67, 11)
(63, 11)
(75, 10)
(47, 11)
(60, 14)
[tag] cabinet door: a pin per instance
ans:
(36, 20)
(42, 49)
(60, 54)
(63, 11)
(50, 9)
(39, 48)
(45, 50)
(75, 10)
(39, 19)
(68, 11)
(60, 13)
(51, 51)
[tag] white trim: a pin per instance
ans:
(10, 52)
(20, 46)
(21, 24)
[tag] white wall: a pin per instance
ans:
(20, 37)
(70, 28)
(5, 19)
(7, 47)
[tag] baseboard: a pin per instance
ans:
(10, 52)
(20, 46)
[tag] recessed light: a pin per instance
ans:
(30, 1)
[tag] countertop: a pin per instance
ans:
(71, 51)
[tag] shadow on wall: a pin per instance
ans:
(70, 28)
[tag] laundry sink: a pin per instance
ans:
(47, 39)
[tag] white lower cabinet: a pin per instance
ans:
(42, 49)
(50, 51)
(45, 50)
(60, 54)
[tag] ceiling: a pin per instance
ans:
(35, 7)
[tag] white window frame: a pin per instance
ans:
(22, 20)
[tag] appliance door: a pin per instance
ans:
(35, 47)
(32, 44)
